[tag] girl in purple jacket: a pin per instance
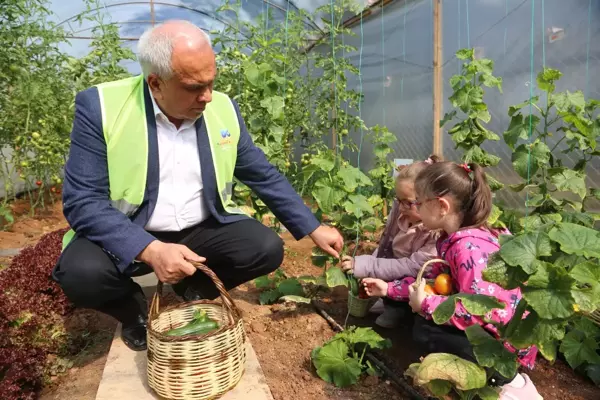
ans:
(457, 199)
(404, 246)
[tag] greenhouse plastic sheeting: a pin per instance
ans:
(396, 58)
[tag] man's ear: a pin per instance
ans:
(444, 206)
(155, 85)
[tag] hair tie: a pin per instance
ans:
(428, 161)
(400, 167)
(467, 169)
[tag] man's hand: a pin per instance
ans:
(170, 261)
(329, 239)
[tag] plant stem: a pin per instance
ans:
(557, 143)
(362, 355)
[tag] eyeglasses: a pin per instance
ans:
(406, 203)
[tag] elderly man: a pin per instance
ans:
(148, 186)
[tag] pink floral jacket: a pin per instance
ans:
(467, 252)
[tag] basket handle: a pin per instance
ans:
(228, 303)
(427, 264)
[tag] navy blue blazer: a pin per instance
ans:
(86, 202)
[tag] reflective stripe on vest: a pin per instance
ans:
(126, 135)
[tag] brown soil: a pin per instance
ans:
(282, 335)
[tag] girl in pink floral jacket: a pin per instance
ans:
(457, 199)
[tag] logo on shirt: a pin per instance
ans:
(225, 137)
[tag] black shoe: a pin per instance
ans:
(187, 291)
(132, 312)
(134, 333)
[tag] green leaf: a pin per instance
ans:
(564, 101)
(290, 287)
(274, 106)
(438, 387)
(524, 250)
(546, 79)
(467, 97)
(527, 159)
(447, 117)
(512, 110)
(483, 115)
(326, 195)
(295, 299)
(593, 372)
(276, 133)
(498, 272)
(490, 352)
(576, 239)
(252, 73)
(465, 54)
(353, 178)
(358, 205)
(548, 292)
(534, 330)
(475, 304)
(494, 215)
(319, 258)
(548, 350)
(336, 277)
(368, 336)
(579, 349)
(263, 282)
(519, 129)
(462, 374)
(587, 295)
(487, 393)
(269, 296)
(335, 366)
(308, 279)
(533, 222)
(567, 180)
(455, 82)
(494, 183)
(324, 161)
(491, 81)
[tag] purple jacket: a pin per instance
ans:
(402, 250)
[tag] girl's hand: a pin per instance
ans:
(347, 264)
(375, 287)
(416, 296)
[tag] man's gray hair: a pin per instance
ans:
(155, 48)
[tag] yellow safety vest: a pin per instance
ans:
(126, 136)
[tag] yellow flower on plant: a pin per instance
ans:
(576, 307)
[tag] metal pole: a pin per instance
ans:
(152, 18)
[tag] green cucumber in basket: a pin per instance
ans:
(199, 325)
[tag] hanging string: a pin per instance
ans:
(360, 88)
(384, 78)
(266, 17)
(587, 58)
(331, 29)
(287, 12)
(530, 101)
(468, 27)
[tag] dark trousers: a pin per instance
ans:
(433, 338)
(236, 252)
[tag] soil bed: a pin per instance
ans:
(282, 335)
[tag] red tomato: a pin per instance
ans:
(39, 183)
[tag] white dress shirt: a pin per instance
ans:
(180, 202)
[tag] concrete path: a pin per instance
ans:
(124, 376)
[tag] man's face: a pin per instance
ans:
(187, 92)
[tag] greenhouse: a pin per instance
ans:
(309, 199)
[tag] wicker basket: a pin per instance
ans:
(195, 367)
(424, 268)
(358, 307)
